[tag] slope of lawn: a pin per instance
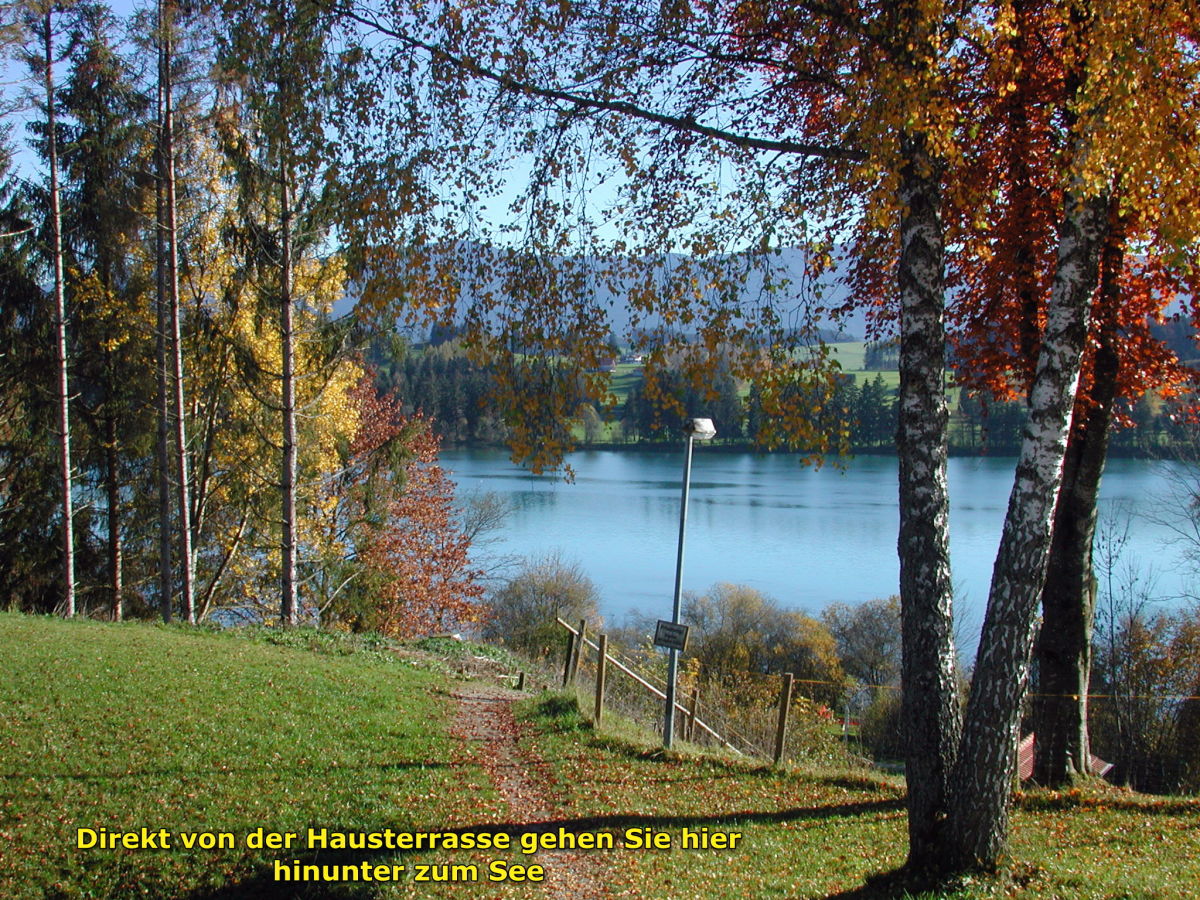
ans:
(124, 727)
(810, 834)
(129, 726)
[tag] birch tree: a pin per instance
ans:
(1008, 263)
(861, 111)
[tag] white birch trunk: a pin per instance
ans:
(929, 695)
(985, 770)
(60, 332)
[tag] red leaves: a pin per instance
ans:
(1004, 204)
(406, 533)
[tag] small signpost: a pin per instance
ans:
(671, 635)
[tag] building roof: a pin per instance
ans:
(1025, 760)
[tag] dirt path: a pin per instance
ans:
(525, 782)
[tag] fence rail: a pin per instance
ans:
(1150, 738)
(573, 656)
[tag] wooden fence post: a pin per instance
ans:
(570, 656)
(601, 665)
(520, 681)
(624, 669)
(573, 671)
(693, 708)
(785, 706)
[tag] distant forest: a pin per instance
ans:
(438, 380)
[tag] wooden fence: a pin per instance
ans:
(577, 639)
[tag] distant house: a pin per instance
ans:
(1025, 760)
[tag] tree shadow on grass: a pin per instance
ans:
(177, 771)
(904, 884)
(895, 884)
(262, 883)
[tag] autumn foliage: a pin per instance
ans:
(1006, 197)
(399, 505)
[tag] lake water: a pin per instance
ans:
(806, 537)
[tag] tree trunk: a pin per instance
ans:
(165, 589)
(1064, 645)
(60, 329)
(187, 589)
(288, 611)
(113, 498)
(984, 772)
(1024, 189)
(930, 703)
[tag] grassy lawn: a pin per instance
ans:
(124, 727)
(624, 377)
(129, 726)
(849, 353)
(813, 834)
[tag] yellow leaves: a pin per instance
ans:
(119, 321)
(320, 282)
(1136, 107)
(327, 416)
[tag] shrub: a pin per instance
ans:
(880, 730)
(524, 608)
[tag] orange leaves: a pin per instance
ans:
(398, 505)
(1046, 70)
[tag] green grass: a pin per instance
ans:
(830, 834)
(624, 377)
(130, 726)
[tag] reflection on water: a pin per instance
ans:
(807, 537)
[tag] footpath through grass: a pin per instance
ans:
(810, 834)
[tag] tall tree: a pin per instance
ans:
(1039, 69)
(105, 192)
(275, 52)
(881, 126)
(861, 109)
(169, 317)
(30, 479)
(45, 67)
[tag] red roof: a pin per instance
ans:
(1025, 760)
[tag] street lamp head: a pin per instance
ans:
(700, 429)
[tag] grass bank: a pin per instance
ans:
(124, 727)
(812, 834)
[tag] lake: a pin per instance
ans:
(807, 537)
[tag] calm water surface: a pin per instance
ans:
(806, 537)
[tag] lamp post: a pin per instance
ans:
(696, 430)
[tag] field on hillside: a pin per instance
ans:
(849, 354)
(125, 727)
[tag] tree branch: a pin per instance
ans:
(682, 123)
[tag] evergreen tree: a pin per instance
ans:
(273, 55)
(30, 550)
(105, 202)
